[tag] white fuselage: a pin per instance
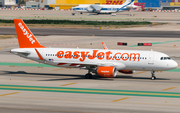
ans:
(79, 58)
(90, 8)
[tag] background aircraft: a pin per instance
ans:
(104, 62)
(104, 9)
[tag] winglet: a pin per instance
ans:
(25, 37)
(104, 46)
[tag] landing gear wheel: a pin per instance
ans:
(88, 76)
(153, 77)
(73, 13)
(81, 13)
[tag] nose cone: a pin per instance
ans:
(173, 64)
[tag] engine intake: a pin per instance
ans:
(107, 72)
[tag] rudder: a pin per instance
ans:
(25, 37)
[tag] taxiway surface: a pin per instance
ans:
(26, 86)
(96, 32)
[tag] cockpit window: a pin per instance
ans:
(165, 58)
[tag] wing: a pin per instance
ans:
(96, 8)
(88, 65)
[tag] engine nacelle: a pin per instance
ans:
(107, 72)
(126, 71)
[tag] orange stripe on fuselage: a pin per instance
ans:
(40, 57)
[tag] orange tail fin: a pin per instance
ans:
(25, 37)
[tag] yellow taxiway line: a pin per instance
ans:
(68, 84)
(169, 88)
(120, 99)
(9, 94)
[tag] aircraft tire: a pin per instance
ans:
(88, 76)
(153, 78)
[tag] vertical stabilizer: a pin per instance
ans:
(128, 2)
(25, 37)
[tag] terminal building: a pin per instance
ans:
(67, 4)
(154, 4)
(7, 3)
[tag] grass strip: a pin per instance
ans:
(73, 22)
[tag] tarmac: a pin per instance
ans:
(98, 32)
(172, 17)
(27, 86)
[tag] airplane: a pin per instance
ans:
(103, 62)
(104, 9)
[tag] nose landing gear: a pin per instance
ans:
(153, 77)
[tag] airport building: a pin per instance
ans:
(40, 3)
(7, 3)
(67, 4)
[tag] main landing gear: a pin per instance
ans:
(88, 75)
(153, 77)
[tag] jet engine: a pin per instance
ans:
(126, 71)
(107, 72)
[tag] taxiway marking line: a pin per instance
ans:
(68, 84)
(174, 70)
(120, 99)
(169, 88)
(158, 43)
(59, 69)
(140, 72)
(9, 94)
(91, 91)
(29, 61)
